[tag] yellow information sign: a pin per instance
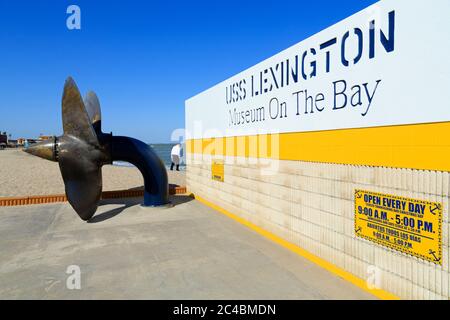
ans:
(217, 170)
(404, 224)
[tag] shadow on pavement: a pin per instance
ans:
(175, 200)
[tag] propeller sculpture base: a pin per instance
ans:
(149, 207)
(83, 149)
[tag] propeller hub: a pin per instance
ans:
(44, 149)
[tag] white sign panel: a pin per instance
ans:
(386, 65)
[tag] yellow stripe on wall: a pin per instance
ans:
(421, 146)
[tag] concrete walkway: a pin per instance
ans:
(128, 252)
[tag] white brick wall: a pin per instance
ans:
(311, 205)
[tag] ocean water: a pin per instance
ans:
(163, 151)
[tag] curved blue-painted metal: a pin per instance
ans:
(140, 154)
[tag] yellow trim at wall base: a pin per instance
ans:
(381, 294)
(417, 146)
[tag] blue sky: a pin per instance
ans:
(142, 58)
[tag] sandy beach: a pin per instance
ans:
(22, 174)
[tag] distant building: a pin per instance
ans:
(3, 140)
(12, 143)
(3, 137)
(42, 137)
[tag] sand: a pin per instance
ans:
(22, 174)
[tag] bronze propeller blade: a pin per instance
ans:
(82, 176)
(75, 118)
(93, 109)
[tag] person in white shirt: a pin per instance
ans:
(175, 156)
